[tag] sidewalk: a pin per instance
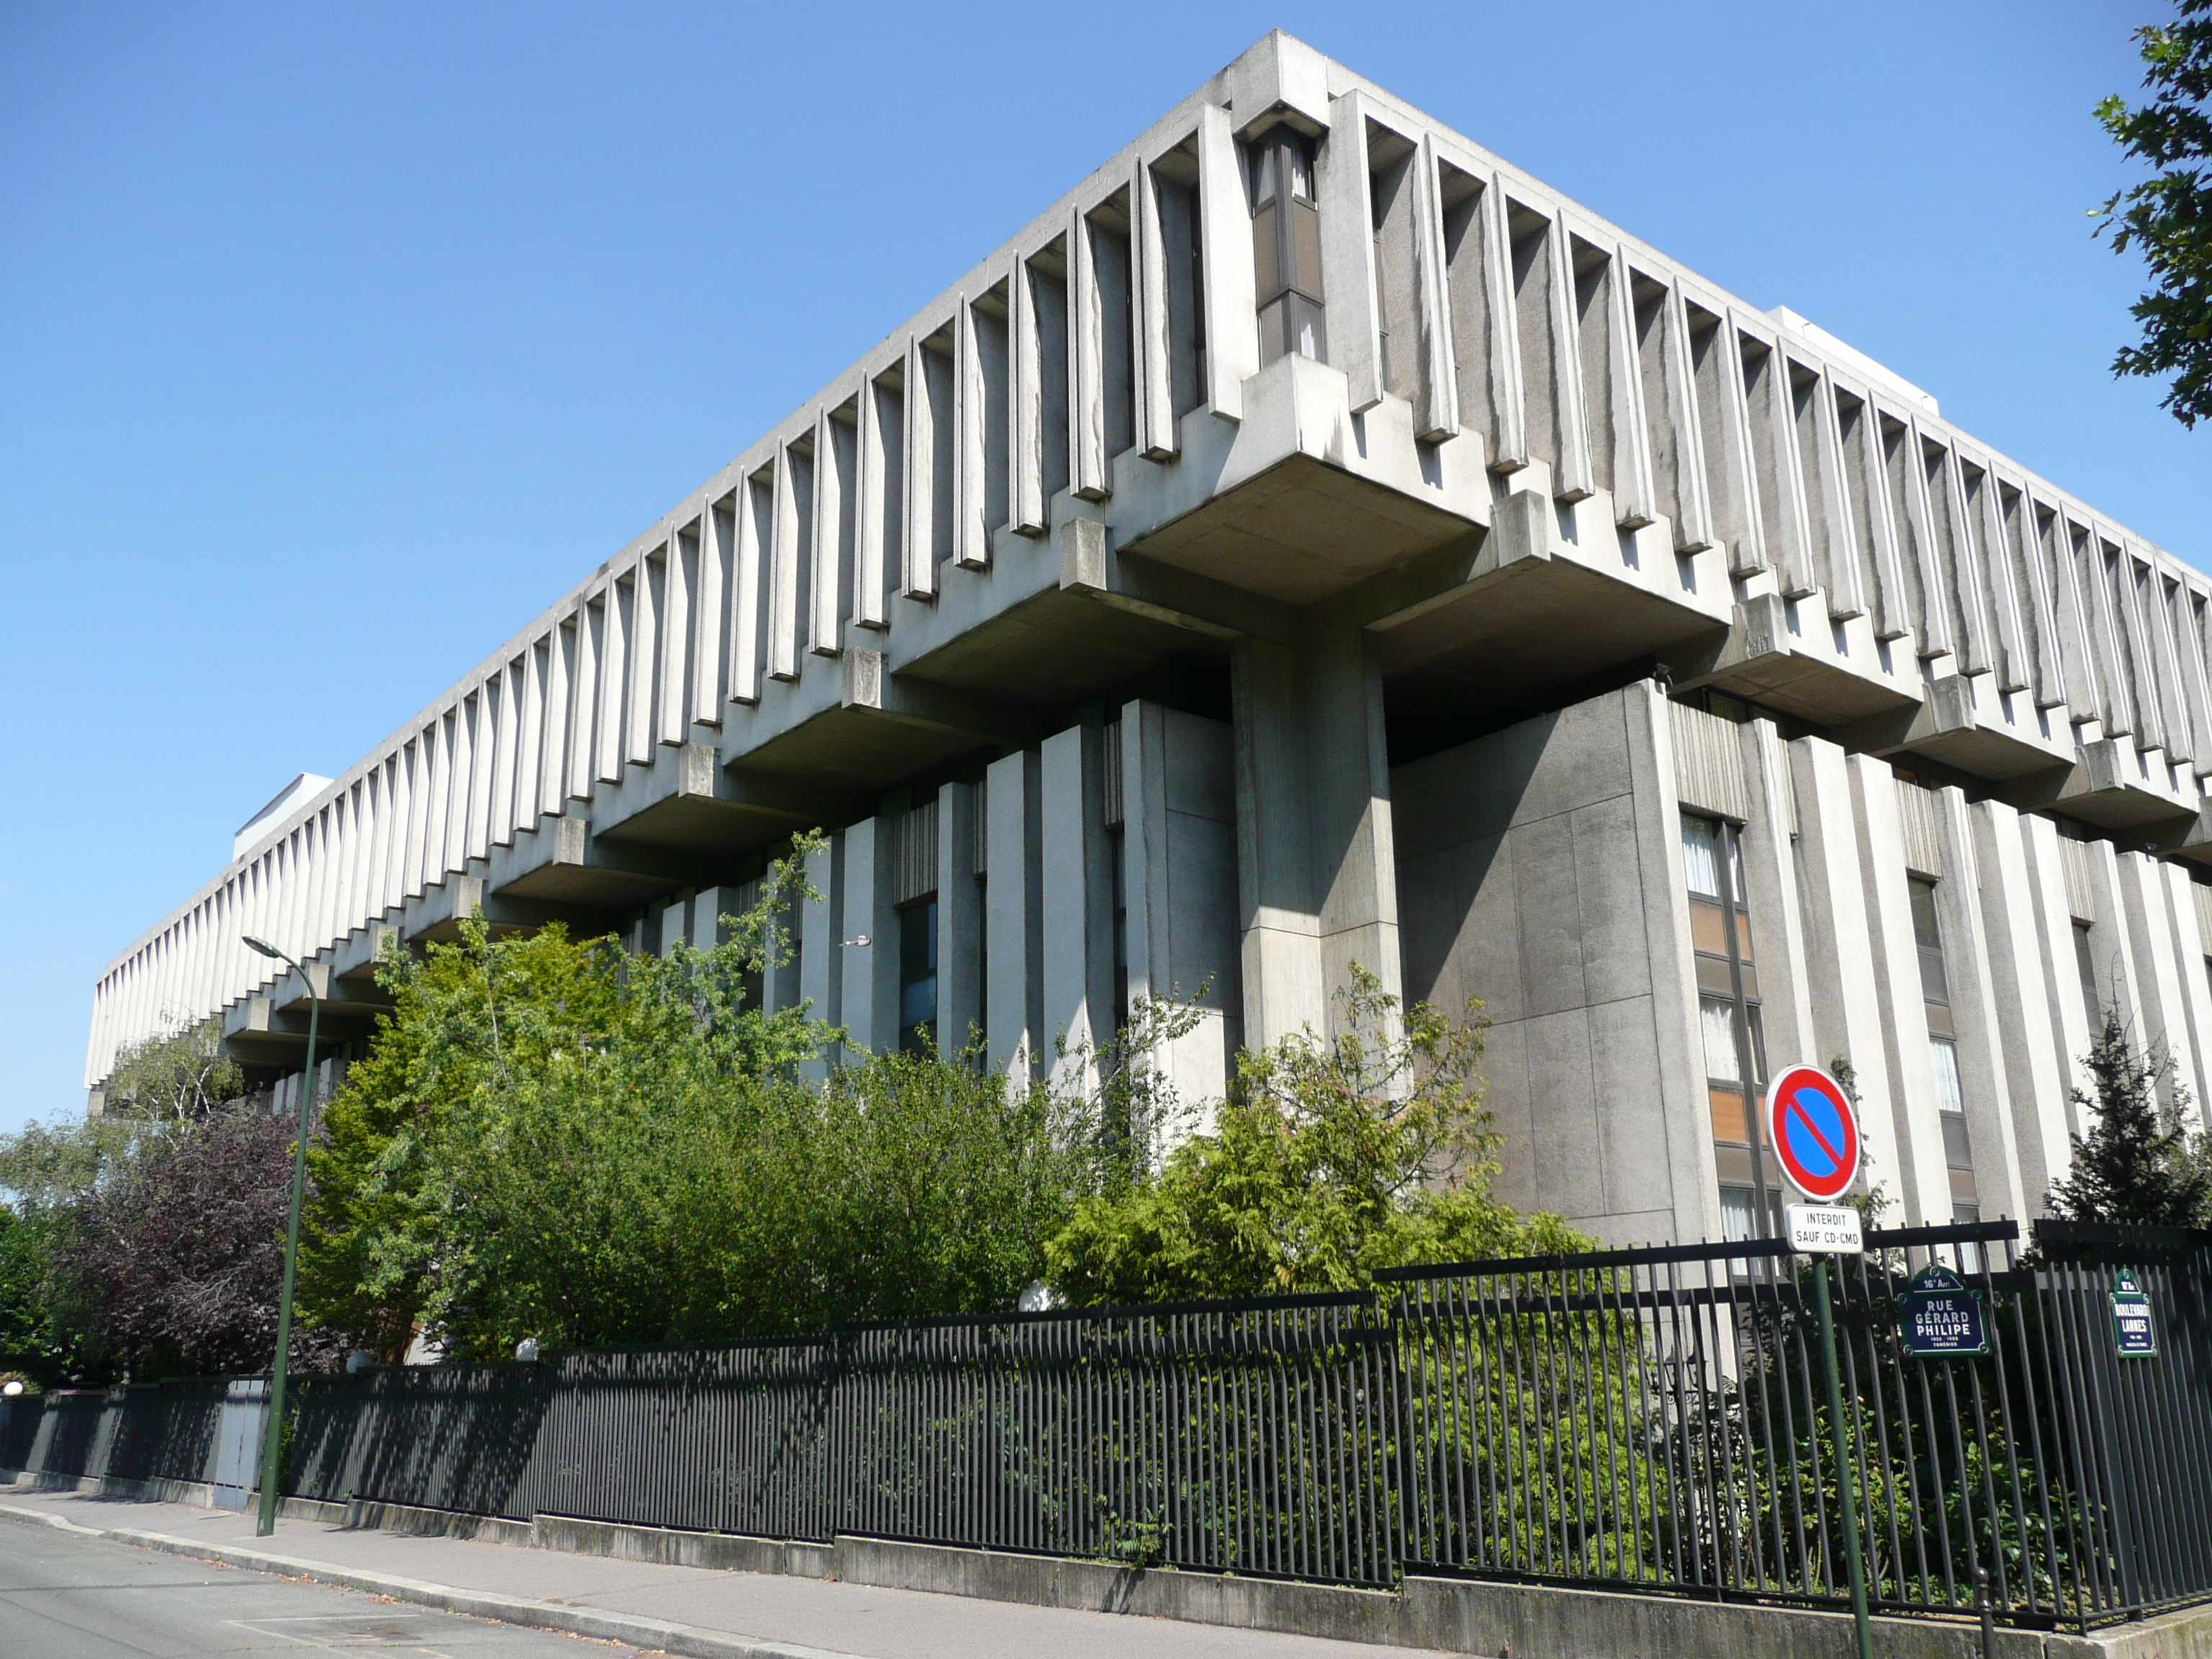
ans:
(699, 1611)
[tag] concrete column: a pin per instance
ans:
(1677, 1067)
(820, 979)
(1316, 868)
(673, 925)
(959, 916)
(1012, 923)
(869, 995)
(707, 908)
(1969, 966)
(1179, 883)
(2165, 1026)
(1839, 952)
(2114, 943)
(1232, 322)
(2027, 1014)
(2190, 946)
(1923, 1178)
(1077, 887)
(1777, 916)
(2061, 974)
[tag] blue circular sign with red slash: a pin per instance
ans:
(1814, 1132)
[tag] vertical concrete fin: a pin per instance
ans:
(1157, 436)
(1693, 511)
(1909, 472)
(1574, 474)
(1509, 401)
(1822, 450)
(783, 572)
(874, 455)
(1232, 324)
(1348, 251)
(748, 580)
(1635, 493)
(918, 440)
(1734, 470)
(679, 581)
(1991, 552)
(1954, 534)
(1436, 417)
(1026, 354)
(971, 534)
(1779, 480)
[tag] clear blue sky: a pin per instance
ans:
(336, 340)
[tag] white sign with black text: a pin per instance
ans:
(1819, 1227)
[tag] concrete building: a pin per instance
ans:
(1312, 541)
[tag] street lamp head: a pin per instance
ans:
(264, 946)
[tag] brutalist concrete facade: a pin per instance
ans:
(1313, 542)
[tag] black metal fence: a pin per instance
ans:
(1646, 1419)
(169, 1432)
(1254, 1436)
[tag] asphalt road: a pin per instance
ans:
(66, 1596)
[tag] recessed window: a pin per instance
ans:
(917, 976)
(1286, 248)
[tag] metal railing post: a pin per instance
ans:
(1846, 1461)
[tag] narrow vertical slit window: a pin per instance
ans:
(1943, 1051)
(1733, 1042)
(2085, 963)
(1286, 248)
(917, 976)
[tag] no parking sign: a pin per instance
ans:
(1815, 1132)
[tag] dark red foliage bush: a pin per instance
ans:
(181, 1256)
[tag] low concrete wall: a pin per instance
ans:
(1513, 1621)
(201, 1493)
(1516, 1621)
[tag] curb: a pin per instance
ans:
(653, 1635)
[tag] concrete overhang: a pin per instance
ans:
(269, 1027)
(1963, 722)
(885, 727)
(1524, 610)
(567, 866)
(2113, 786)
(1770, 654)
(1311, 500)
(436, 914)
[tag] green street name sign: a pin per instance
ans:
(2133, 1335)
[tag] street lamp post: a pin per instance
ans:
(272, 1443)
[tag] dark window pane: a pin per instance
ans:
(1266, 254)
(1925, 932)
(917, 973)
(1305, 242)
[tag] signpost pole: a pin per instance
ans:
(1847, 1479)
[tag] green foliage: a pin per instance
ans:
(555, 1138)
(1333, 1158)
(2135, 1164)
(178, 1078)
(515, 1155)
(52, 1174)
(35, 1339)
(2168, 216)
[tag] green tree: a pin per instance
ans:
(177, 1077)
(513, 1150)
(1332, 1157)
(2168, 216)
(2133, 1165)
(53, 1174)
